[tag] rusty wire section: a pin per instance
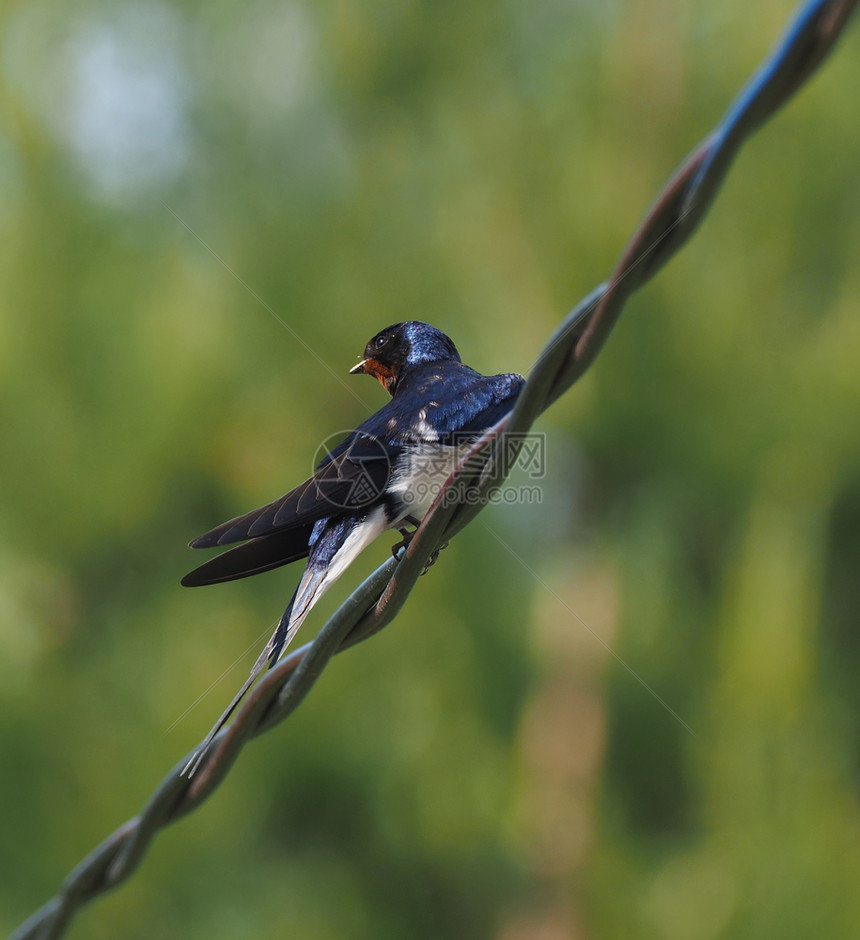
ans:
(671, 220)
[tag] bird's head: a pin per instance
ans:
(401, 347)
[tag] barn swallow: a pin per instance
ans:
(381, 476)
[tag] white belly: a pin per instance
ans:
(422, 474)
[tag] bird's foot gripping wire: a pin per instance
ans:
(432, 558)
(408, 535)
(404, 542)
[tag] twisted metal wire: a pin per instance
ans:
(672, 219)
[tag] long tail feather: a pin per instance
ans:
(270, 655)
(331, 552)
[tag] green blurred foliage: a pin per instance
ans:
(483, 768)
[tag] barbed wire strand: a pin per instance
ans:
(669, 223)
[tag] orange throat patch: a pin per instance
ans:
(384, 374)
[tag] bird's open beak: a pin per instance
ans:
(359, 369)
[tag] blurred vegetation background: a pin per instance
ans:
(483, 768)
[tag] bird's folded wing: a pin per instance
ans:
(258, 555)
(351, 477)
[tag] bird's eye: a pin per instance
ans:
(380, 341)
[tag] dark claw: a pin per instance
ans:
(407, 538)
(404, 542)
(432, 559)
